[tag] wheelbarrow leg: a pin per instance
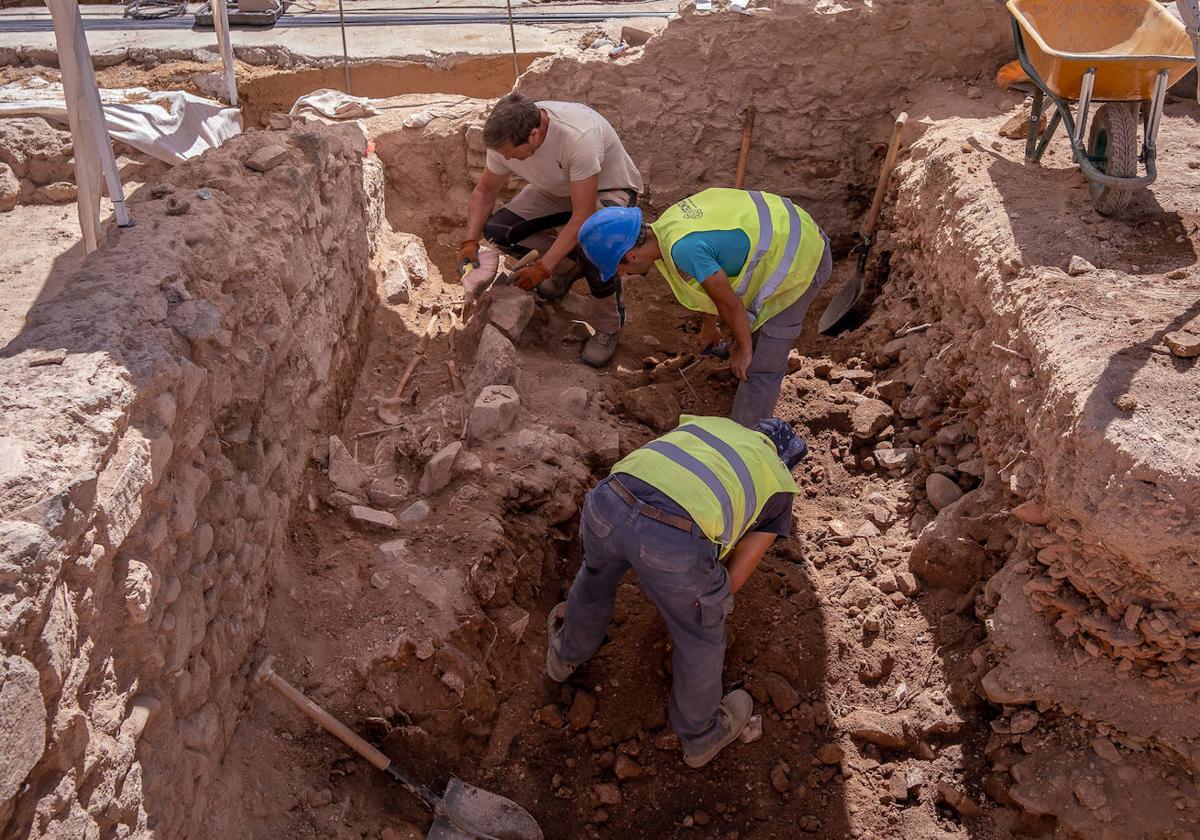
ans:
(1045, 139)
(1035, 121)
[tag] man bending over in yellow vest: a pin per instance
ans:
(692, 513)
(753, 258)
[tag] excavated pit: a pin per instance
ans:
(179, 507)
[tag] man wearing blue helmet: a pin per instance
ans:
(752, 258)
(573, 163)
(692, 513)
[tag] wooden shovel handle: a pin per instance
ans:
(739, 179)
(328, 722)
(885, 173)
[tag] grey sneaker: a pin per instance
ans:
(556, 669)
(735, 712)
(599, 349)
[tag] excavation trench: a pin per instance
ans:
(430, 639)
(960, 638)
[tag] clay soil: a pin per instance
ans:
(802, 643)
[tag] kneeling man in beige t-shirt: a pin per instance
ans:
(573, 164)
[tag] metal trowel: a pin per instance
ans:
(464, 812)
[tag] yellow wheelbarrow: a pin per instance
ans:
(1122, 53)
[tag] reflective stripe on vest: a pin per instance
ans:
(717, 470)
(785, 265)
(785, 249)
(765, 234)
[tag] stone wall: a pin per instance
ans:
(826, 78)
(155, 419)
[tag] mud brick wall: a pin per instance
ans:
(155, 419)
(826, 79)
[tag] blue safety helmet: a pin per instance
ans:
(607, 236)
(788, 444)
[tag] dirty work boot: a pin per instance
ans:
(734, 712)
(556, 669)
(599, 349)
(556, 286)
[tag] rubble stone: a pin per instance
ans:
(22, 723)
(267, 157)
(511, 309)
(495, 363)
(1185, 345)
(439, 469)
(1078, 265)
(345, 473)
(575, 400)
(397, 282)
(654, 405)
(783, 696)
(895, 460)
(376, 518)
(414, 513)
(607, 793)
(941, 491)
(493, 413)
(583, 707)
(869, 418)
(10, 188)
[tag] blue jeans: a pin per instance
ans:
(680, 573)
(758, 393)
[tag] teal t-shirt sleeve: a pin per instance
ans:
(703, 253)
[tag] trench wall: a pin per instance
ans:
(155, 419)
(1098, 613)
(826, 79)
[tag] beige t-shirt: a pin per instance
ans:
(579, 144)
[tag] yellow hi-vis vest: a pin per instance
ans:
(785, 249)
(717, 470)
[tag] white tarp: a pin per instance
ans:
(171, 126)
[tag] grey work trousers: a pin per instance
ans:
(679, 571)
(758, 393)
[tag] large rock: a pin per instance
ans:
(493, 414)
(10, 188)
(945, 555)
(22, 723)
(439, 469)
(495, 363)
(345, 473)
(654, 405)
(941, 491)
(869, 418)
(510, 311)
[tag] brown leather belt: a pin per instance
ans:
(680, 522)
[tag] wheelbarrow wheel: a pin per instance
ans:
(1113, 147)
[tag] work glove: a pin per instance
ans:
(531, 275)
(468, 254)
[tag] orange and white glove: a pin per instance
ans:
(531, 275)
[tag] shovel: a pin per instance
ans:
(464, 812)
(850, 293)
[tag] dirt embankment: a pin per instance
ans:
(826, 80)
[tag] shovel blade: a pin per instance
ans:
(841, 304)
(469, 813)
